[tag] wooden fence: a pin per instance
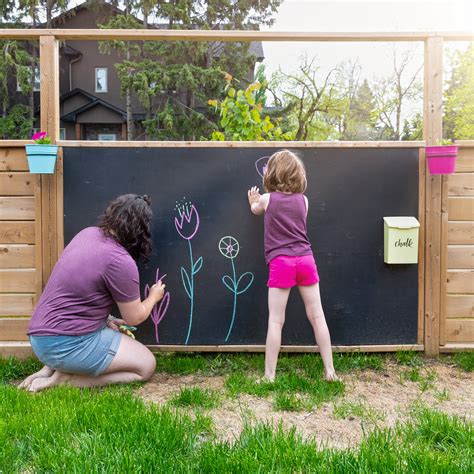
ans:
(31, 213)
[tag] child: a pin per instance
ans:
(288, 254)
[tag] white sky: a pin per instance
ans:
(361, 16)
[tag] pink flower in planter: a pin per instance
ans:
(41, 138)
(188, 223)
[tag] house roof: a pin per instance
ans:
(94, 101)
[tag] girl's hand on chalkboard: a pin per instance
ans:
(253, 195)
(157, 291)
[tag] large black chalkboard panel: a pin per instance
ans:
(349, 192)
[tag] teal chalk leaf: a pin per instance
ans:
(249, 276)
(229, 283)
(197, 265)
(186, 282)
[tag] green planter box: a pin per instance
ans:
(401, 239)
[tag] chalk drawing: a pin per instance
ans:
(187, 225)
(159, 310)
(229, 247)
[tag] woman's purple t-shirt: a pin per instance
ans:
(92, 273)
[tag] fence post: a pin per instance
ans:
(433, 130)
(49, 110)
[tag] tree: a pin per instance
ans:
(307, 100)
(459, 96)
(392, 94)
(173, 80)
(17, 124)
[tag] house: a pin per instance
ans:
(91, 104)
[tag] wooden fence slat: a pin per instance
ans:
(460, 281)
(16, 184)
(460, 256)
(18, 281)
(16, 232)
(17, 208)
(17, 256)
(461, 184)
(460, 306)
(465, 160)
(461, 208)
(459, 330)
(461, 232)
(13, 159)
(16, 304)
(14, 329)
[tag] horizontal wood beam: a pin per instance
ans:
(261, 348)
(230, 35)
(249, 144)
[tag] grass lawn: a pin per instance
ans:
(115, 430)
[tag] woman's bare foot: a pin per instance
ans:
(264, 380)
(331, 376)
(42, 383)
(43, 373)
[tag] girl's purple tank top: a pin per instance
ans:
(285, 226)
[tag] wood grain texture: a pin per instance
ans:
(460, 330)
(461, 208)
(19, 349)
(461, 184)
(17, 256)
(14, 329)
(18, 281)
(465, 160)
(229, 35)
(17, 232)
(17, 208)
(460, 232)
(460, 306)
(460, 256)
(249, 144)
(432, 131)
(421, 244)
(460, 281)
(16, 184)
(16, 304)
(13, 159)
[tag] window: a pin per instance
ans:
(37, 82)
(62, 132)
(101, 79)
(111, 137)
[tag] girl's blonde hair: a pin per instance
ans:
(285, 173)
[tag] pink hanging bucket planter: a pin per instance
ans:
(442, 159)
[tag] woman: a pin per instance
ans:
(69, 330)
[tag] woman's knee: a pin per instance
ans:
(148, 365)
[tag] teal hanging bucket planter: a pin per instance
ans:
(42, 158)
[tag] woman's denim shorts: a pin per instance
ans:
(89, 354)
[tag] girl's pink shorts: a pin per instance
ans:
(286, 272)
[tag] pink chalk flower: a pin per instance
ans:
(188, 222)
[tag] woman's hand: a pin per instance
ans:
(157, 291)
(115, 324)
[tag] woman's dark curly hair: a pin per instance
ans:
(127, 220)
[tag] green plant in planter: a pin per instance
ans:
(445, 142)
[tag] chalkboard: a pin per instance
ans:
(350, 191)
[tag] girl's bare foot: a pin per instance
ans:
(330, 376)
(43, 373)
(264, 380)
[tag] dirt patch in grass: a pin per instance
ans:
(372, 398)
